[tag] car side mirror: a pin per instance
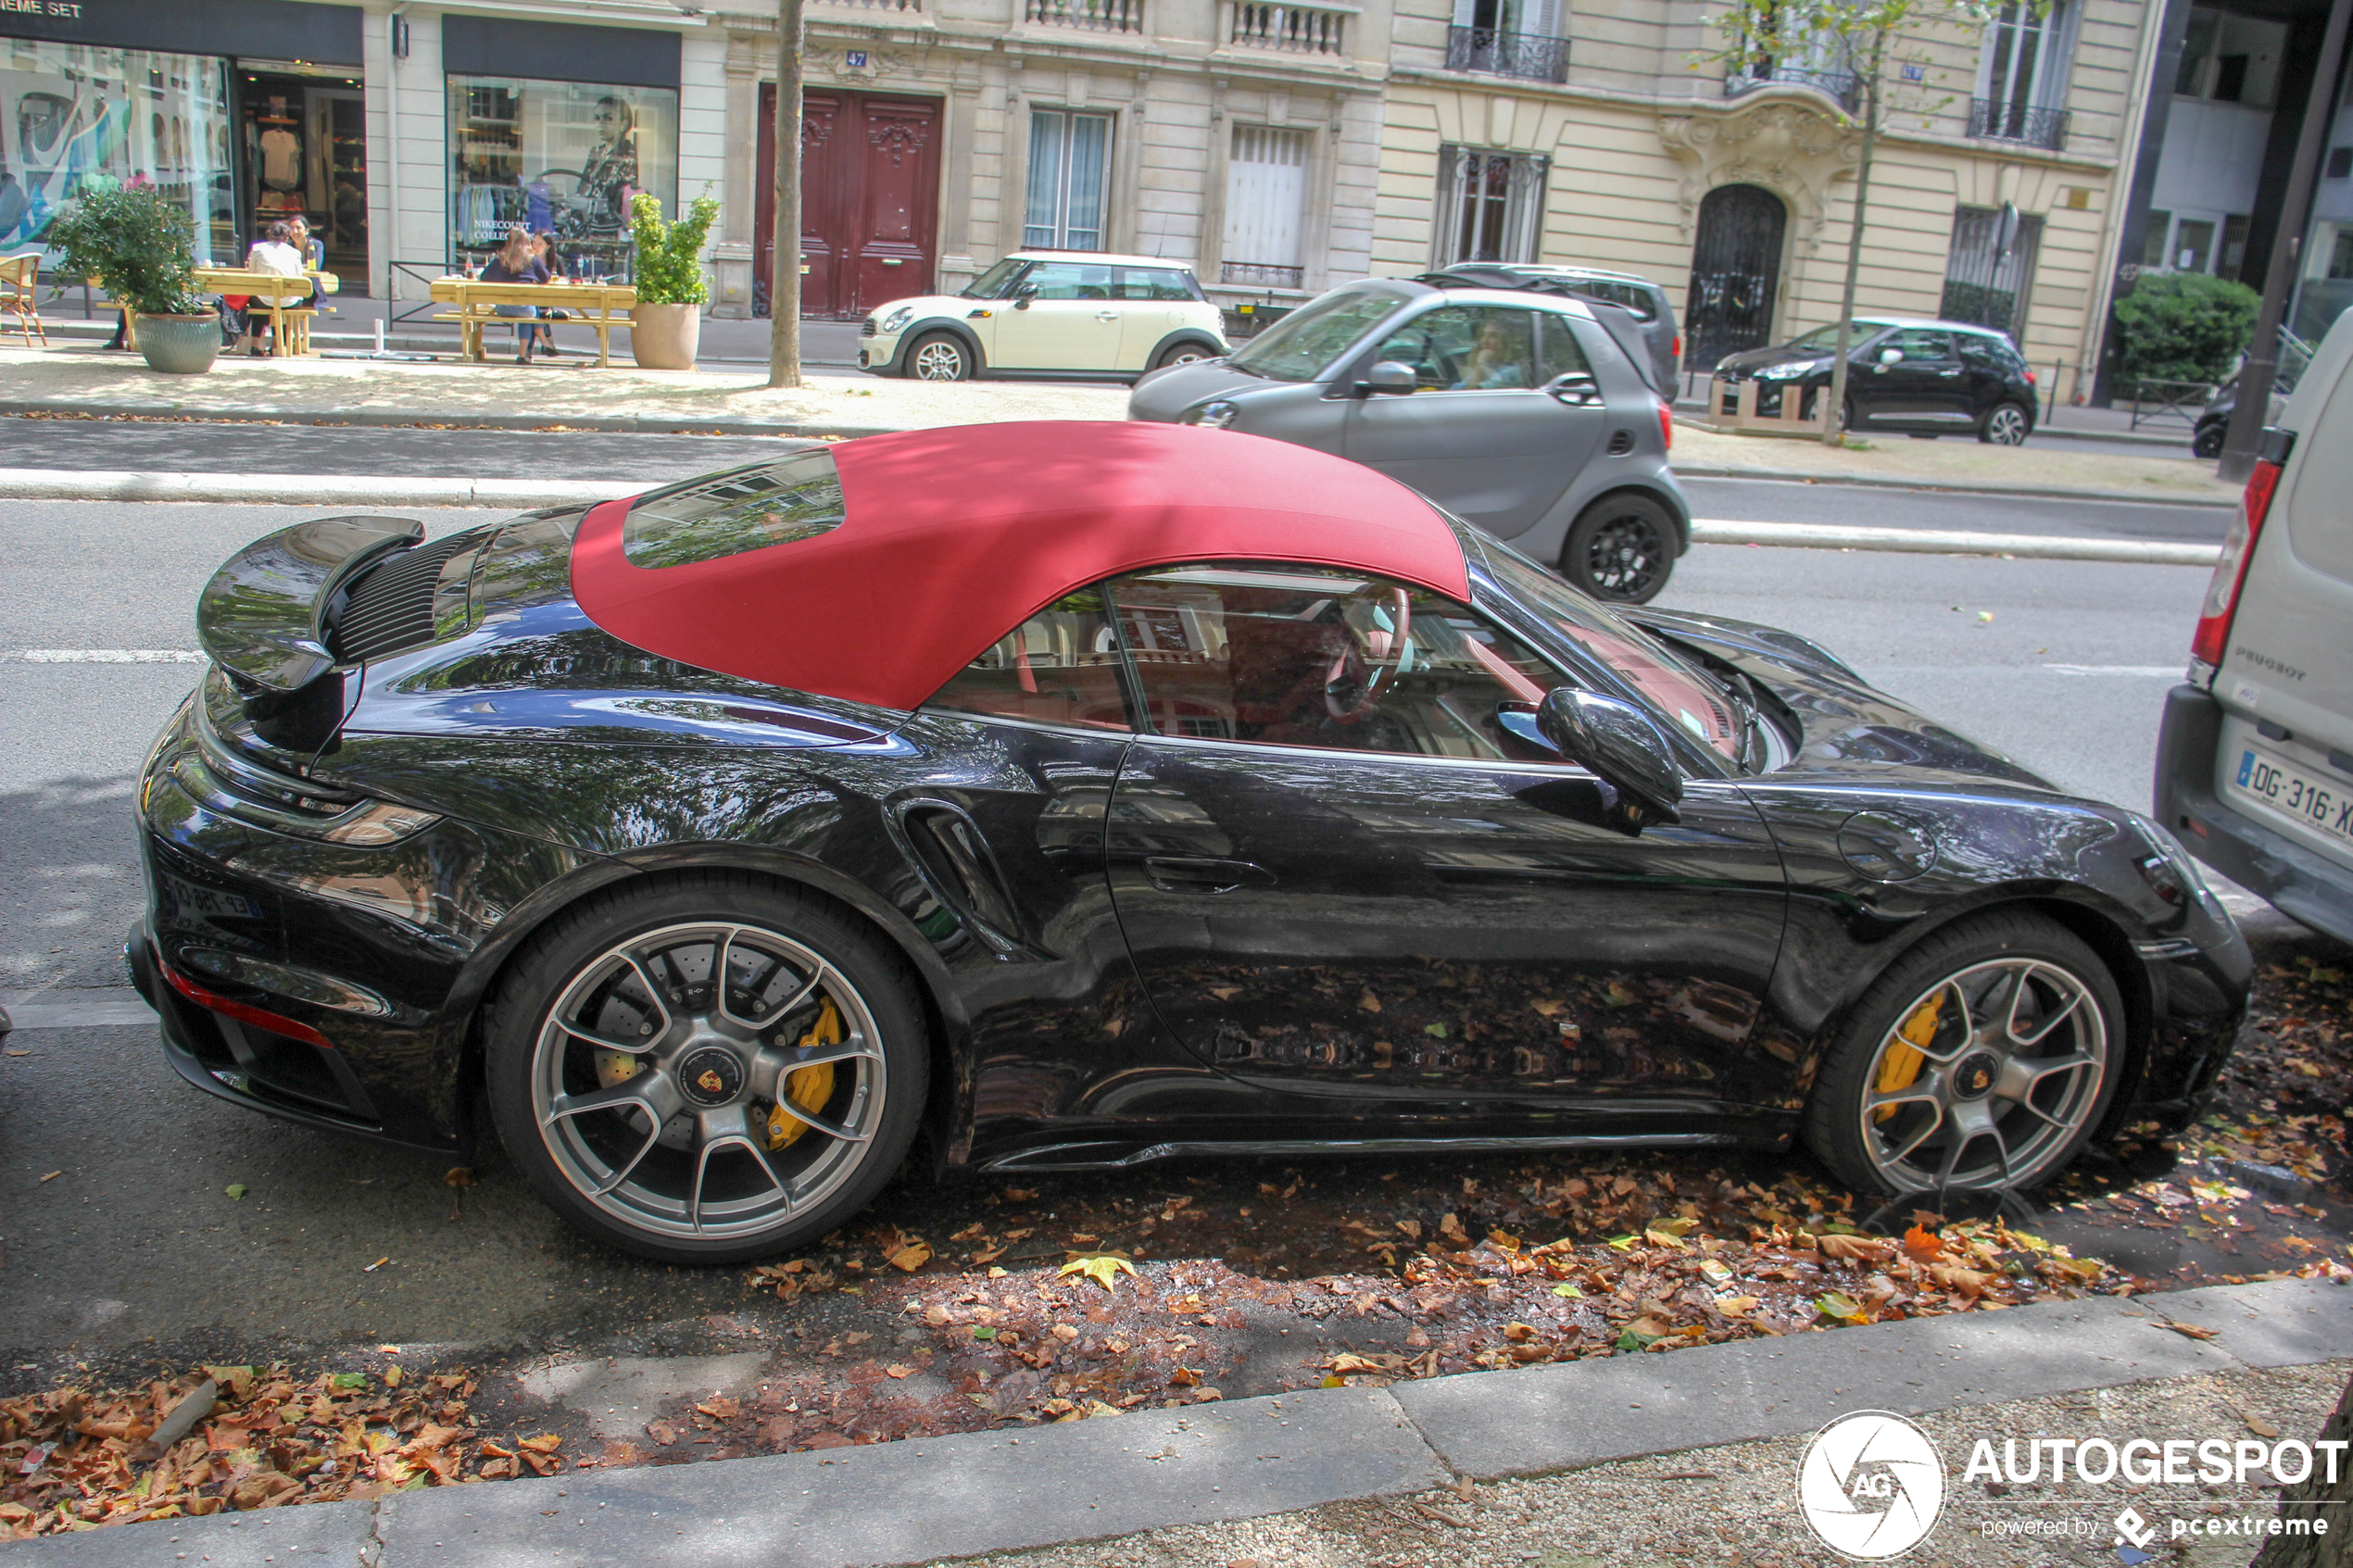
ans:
(1391, 376)
(1891, 355)
(1620, 745)
(1577, 389)
(1023, 295)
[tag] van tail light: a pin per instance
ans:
(2239, 547)
(1679, 346)
(1666, 424)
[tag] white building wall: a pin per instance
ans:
(408, 134)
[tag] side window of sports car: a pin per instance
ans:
(1059, 667)
(1280, 655)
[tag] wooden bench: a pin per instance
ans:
(273, 294)
(599, 306)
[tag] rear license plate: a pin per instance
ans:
(2325, 804)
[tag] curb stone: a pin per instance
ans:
(994, 1491)
(1898, 481)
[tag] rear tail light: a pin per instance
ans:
(2239, 547)
(1679, 346)
(243, 1012)
(2029, 378)
(1666, 424)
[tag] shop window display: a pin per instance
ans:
(305, 156)
(560, 157)
(75, 115)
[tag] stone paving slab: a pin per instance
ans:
(315, 1534)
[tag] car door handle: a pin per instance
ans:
(1106, 314)
(1948, 372)
(1188, 873)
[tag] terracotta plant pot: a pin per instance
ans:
(179, 345)
(664, 337)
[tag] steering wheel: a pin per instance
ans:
(1388, 640)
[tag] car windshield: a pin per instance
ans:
(1824, 340)
(992, 283)
(1684, 693)
(1298, 347)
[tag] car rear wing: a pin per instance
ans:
(264, 616)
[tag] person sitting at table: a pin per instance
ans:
(273, 253)
(518, 261)
(312, 249)
(551, 271)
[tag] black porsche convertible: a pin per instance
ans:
(1066, 796)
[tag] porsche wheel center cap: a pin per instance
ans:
(710, 1075)
(1975, 1074)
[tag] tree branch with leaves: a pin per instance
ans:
(1813, 41)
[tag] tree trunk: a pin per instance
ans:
(784, 283)
(1833, 434)
(2317, 1497)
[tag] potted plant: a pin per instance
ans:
(665, 327)
(137, 244)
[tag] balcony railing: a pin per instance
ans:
(1524, 54)
(1837, 84)
(877, 4)
(1260, 274)
(1294, 29)
(1089, 16)
(1999, 122)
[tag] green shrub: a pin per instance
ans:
(137, 244)
(669, 255)
(2185, 326)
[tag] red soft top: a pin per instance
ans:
(953, 537)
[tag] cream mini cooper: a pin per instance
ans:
(1059, 313)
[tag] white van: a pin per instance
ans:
(2255, 762)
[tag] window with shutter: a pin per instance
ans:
(1265, 197)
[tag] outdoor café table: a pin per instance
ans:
(273, 294)
(598, 306)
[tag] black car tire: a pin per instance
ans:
(2208, 440)
(1620, 548)
(1182, 354)
(881, 1102)
(940, 357)
(2048, 1130)
(2005, 424)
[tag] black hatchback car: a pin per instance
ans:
(1919, 378)
(1067, 796)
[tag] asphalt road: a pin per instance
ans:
(479, 454)
(114, 1224)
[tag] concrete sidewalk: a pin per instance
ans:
(83, 382)
(1202, 1464)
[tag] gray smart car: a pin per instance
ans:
(1525, 411)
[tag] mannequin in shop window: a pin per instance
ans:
(610, 177)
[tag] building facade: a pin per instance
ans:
(1276, 147)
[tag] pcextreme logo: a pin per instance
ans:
(1870, 1486)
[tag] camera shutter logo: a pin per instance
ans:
(1870, 1486)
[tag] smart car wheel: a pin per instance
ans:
(940, 357)
(1180, 353)
(2005, 424)
(709, 1071)
(1622, 547)
(1983, 1059)
(2207, 442)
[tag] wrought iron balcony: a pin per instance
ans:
(1838, 85)
(1260, 274)
(1293, 29)
(2000, 122)
(1089, 16)
(1525, 55)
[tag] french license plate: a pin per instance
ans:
(2326, 804)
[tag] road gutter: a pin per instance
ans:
(923, 1500)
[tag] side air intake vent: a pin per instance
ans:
(1620, 443)
(388, 607)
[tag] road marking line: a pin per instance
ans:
(110, 1006)
(1952, 542)
(111, 656)
(2167, 671)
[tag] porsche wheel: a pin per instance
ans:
(1620, 548)
(1981, 1059)
(710, 1071)
(940, 357)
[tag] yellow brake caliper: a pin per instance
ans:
(807, 1088)
(1901, 1066)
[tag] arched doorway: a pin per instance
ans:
(1736, 271)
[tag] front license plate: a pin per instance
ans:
(2326, 804)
